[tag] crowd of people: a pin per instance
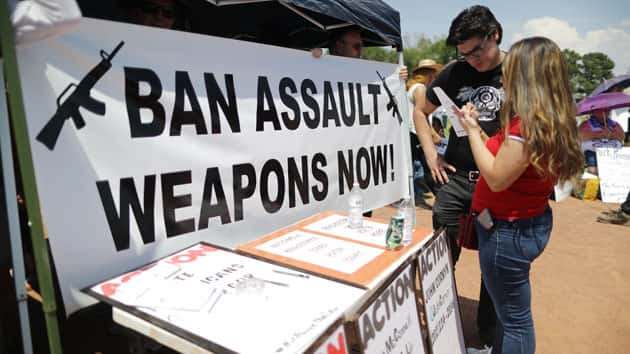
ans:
(522, 138)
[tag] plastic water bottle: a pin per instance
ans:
(355, 207)
(408, 211)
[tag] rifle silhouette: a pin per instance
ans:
(79, 98)
(391, 105)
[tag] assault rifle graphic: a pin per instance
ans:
(391, 105)
(79, 98)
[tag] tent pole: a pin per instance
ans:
(406, 142)
(17, 116)
(15, 234)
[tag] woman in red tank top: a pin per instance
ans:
(537, 147)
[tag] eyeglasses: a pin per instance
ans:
(153, 9)
(476, 51)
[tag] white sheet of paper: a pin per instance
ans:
(225, 297)
(370, 231)
(448, 104)
(328, 252)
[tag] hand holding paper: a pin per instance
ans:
(468, 117)
(450, 108)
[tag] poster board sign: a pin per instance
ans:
(138, 153)
(215, 298)
(613, 166)
(308, 245)
(439, 294)
(389, 322)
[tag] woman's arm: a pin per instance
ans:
(499, 171)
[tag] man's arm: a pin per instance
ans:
(421, 110)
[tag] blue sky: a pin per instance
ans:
(583, 25)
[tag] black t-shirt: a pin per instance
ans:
(462, 83)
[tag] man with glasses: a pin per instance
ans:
(475, 77)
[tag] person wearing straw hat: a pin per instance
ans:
(422, 76)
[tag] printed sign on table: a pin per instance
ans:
(613, 166)
(390, 323)
(327, 252)
(370, 231)
(215, 298)
(310, 245)
(441, 305)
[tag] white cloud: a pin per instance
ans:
(625, 23)
(612, 41)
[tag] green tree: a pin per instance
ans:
(596, 68)
(587, 71)
(422, 48)
(573, 61)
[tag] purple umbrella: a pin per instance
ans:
(622, 80)
(608, 100)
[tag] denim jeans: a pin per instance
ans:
(451, 201)
(506, 252)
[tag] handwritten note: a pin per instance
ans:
(614, 173)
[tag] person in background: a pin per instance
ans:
(422, 76)
(153, 13)
(599, 131)
(537, 146)
(475, 77)
(349, 43)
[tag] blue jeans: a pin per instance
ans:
(506, 252)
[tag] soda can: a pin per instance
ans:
(394, 234)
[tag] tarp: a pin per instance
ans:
(287, 23)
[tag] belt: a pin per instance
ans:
(472, 176)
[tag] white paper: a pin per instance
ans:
(440, 297)
(613, 166)
(343, 256)
(391, 321)
(370, 231)
(448, 105)
(224, 297)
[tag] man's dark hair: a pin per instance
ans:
(475, 21)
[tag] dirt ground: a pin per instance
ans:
(580, 284)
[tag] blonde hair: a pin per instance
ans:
(422, 76)
(536, 84)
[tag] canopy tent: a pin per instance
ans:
(287, 23)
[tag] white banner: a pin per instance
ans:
(146, 141)
(613, 166)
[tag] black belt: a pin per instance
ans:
(472, 176)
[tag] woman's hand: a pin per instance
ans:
(469, 116)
